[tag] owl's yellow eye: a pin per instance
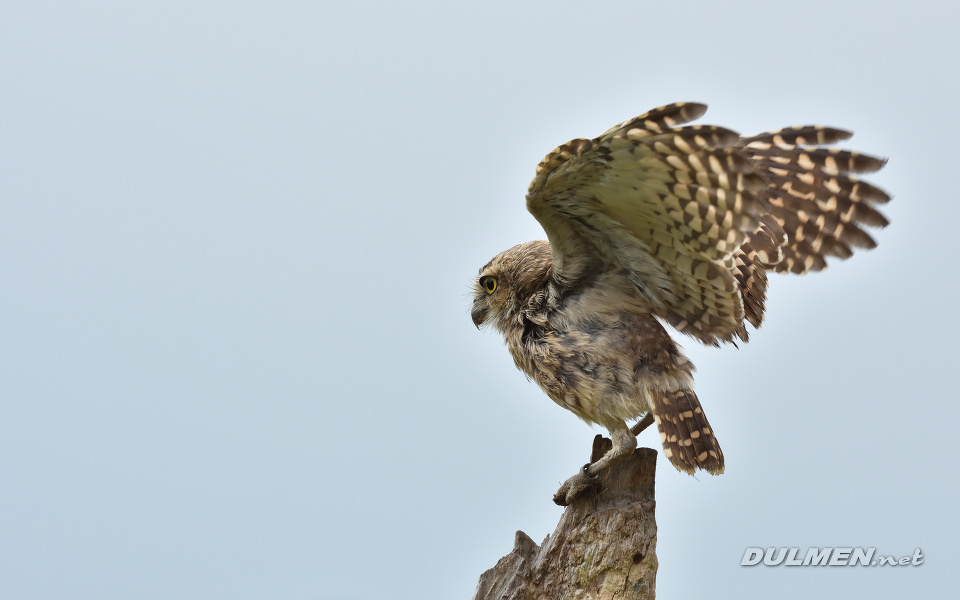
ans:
(489, 284)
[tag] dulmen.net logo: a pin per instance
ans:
(826, 557)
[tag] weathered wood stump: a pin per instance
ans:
(604, 547)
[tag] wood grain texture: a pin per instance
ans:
(603, 548)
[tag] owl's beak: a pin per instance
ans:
(478, 313)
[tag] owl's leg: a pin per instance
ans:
(642, 424)
(624, 443)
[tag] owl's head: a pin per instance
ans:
(504, 285)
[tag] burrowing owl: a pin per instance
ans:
(654, 221)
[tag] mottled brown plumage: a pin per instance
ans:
(654, 221)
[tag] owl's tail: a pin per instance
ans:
(685, 433)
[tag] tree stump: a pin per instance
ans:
(604, 547)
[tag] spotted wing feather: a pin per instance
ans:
(694, 215)
(814, 196)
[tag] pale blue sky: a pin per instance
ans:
(236, 359)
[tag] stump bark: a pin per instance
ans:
(603, 548)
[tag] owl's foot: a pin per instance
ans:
(575, 486)
(605, 454)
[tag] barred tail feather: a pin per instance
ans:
(686, 435)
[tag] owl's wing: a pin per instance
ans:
(694, 215)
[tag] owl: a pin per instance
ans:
(656, 222)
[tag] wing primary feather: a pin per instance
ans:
(787, 137)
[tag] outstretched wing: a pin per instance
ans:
(694, 215)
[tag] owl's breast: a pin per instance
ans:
(599, 368)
